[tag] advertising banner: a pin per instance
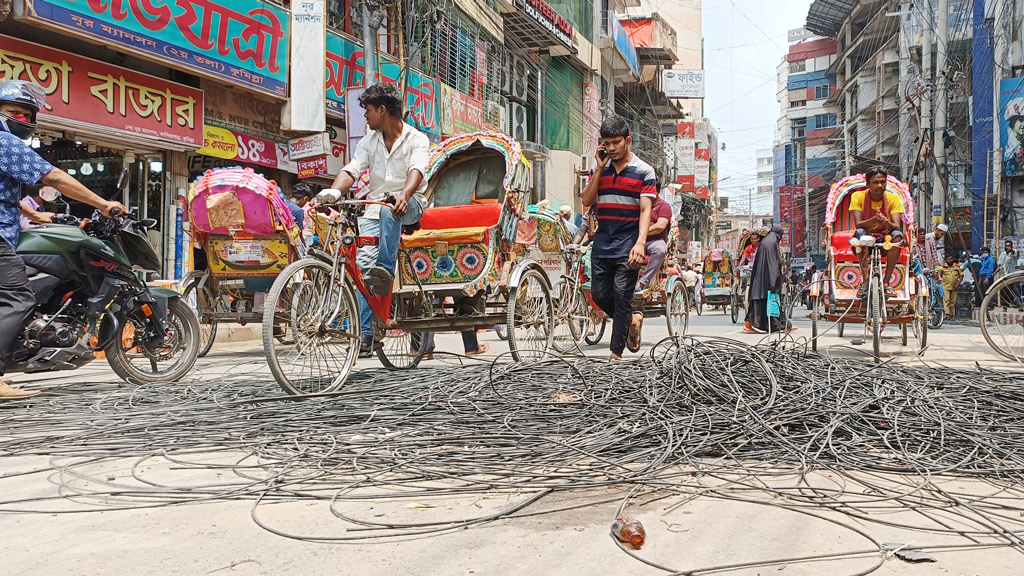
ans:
(540, 12)
(305, 109)
(104, 95)
(686, 152)
(1011, 126)
(242, 42)
(231, 145)
(311, 167)
(624, 44)
(308, 146)
(467, 113)
(591, 118)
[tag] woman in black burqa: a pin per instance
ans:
(767, 275)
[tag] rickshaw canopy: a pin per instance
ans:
(838, 197)
(237, 199)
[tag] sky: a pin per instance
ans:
(744, 41)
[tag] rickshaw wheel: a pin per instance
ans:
(1000, 316)
(398, 349)
(734, 307)
(319, 318)
(875, 309)
(596, 331)
(572, 318)
(501, 332)
(530, 318)
(840, 329)
(814, 323)
(921, 320)
(677, 310)
(699, 297)
(903, 334)
(206, 312)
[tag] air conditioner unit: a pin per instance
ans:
(520, 79)
(506, 75)
(496, 116)
(517, 121)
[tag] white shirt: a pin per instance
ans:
(389, 170)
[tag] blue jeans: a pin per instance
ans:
(389, 230)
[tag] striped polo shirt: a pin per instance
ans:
(618, 206)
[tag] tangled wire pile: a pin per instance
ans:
(703, 417)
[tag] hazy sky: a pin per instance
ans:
(744, 41)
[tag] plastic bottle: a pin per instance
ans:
(629, 531)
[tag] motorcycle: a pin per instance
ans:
(89, 299)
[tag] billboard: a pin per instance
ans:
(1011, 125)
(682, 83)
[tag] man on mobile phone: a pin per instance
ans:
(623, 188)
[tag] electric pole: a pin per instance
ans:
(923, 200)
(940, 171)
(369, 45)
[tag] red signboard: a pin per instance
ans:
(703, 192)
(104, 95)
(686, 130)
(467, 113)
(311, 167)
(703, 154)
(686, 183)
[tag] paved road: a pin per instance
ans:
(220, 537)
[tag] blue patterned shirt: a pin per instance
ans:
(19, 164)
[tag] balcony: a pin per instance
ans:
(537, 25)
(653, 38)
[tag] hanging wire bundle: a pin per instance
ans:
(694, 418)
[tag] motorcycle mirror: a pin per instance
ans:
(122, 180)
(49, 194)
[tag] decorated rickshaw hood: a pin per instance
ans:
(518, 170)
(857, 183)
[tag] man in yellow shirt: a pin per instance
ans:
(880, 216)
(950, 275)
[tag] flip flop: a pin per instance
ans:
(481, 350)
(633, 339)
(750, 331)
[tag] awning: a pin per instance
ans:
(826, 16)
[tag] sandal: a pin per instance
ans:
(889, 292)
(633, 339)
(481, 350)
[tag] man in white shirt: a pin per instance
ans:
(396, 156)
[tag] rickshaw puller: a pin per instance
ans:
(877, 218)
(396, 155)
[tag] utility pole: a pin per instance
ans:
(905, 137)
(924, 201)
(1001, 35)
(369, 45)
(940, 171)
(807, 207)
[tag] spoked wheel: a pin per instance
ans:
(921, 320)
(400, 350)
(1002, 321)
(904, 338)
(501, 332)
(572, 318)
(698, 298)
(814, 323)
(138, 360)
(936, 317)
(206, 308)
(677, 310)
(319, 320)
(840, 329)
(734, 307)
(530, 318)
(875, 321)
(596, 330)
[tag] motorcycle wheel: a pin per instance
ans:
(136, 363)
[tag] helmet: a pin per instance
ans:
(28, 94)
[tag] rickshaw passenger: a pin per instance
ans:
(657, 242)
(396, 155)
(877, 218)
(747, 258)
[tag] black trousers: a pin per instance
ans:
(613, 284)
(17, 300)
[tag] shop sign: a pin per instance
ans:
(241, 111)
(344, 71)
(543, 14)
(682, 83)
(338, 156)
(467, 113)
(241, 41)
(228, 144)
(308, 146)
(447, 122)
(101, 94)
(311, 167)
(703, 192)
(624, 44)
(686, 183)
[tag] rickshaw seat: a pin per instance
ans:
(470, 215)
(426, 237)
(842, 251)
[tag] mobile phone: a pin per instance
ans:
(603, 154)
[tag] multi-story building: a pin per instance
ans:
(763, 165)
(804, 155)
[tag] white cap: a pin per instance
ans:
(942, 227)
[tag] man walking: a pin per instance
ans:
(950, 275)
(396, 155)
(985, 273)
(1007, 260)
(624, 188)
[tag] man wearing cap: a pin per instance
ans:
(933, 247)
(565, 213)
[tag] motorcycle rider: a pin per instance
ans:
(20, 101)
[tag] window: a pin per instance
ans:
(824, 120)
(798, 66)
(798, 104)
(799, 128)
(821, 92)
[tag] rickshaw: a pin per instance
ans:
(459, 271)
(719, 276)
(248, 236)
(835, 295)
(740, 288)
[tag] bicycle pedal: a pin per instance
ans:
(378, 280)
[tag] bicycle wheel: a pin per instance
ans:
(530, 318)
(734, 307)
(921, 320)
(206, 308)
(596, 331)
(698, 297)
(1002, 322)
(501, 332)
(875, 316)
(396, 350)
(319, 320)
(571, 318)
(677, 310)
(936, 318)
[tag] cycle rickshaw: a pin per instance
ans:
(740, 287)
(719, 275)
(835, 295)
(459, 271)
(248, 236)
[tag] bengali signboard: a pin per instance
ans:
(683, 83)
(309, 146)
(311, 167)
(624, 44)
(344, 70)
(230, 145)
(243, 42)
(543, 14)
(467, 113)
(101, 94)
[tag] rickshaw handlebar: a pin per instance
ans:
(333, 196)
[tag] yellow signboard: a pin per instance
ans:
(219, 142)
(247, 258)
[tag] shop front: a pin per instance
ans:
(122, 133)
